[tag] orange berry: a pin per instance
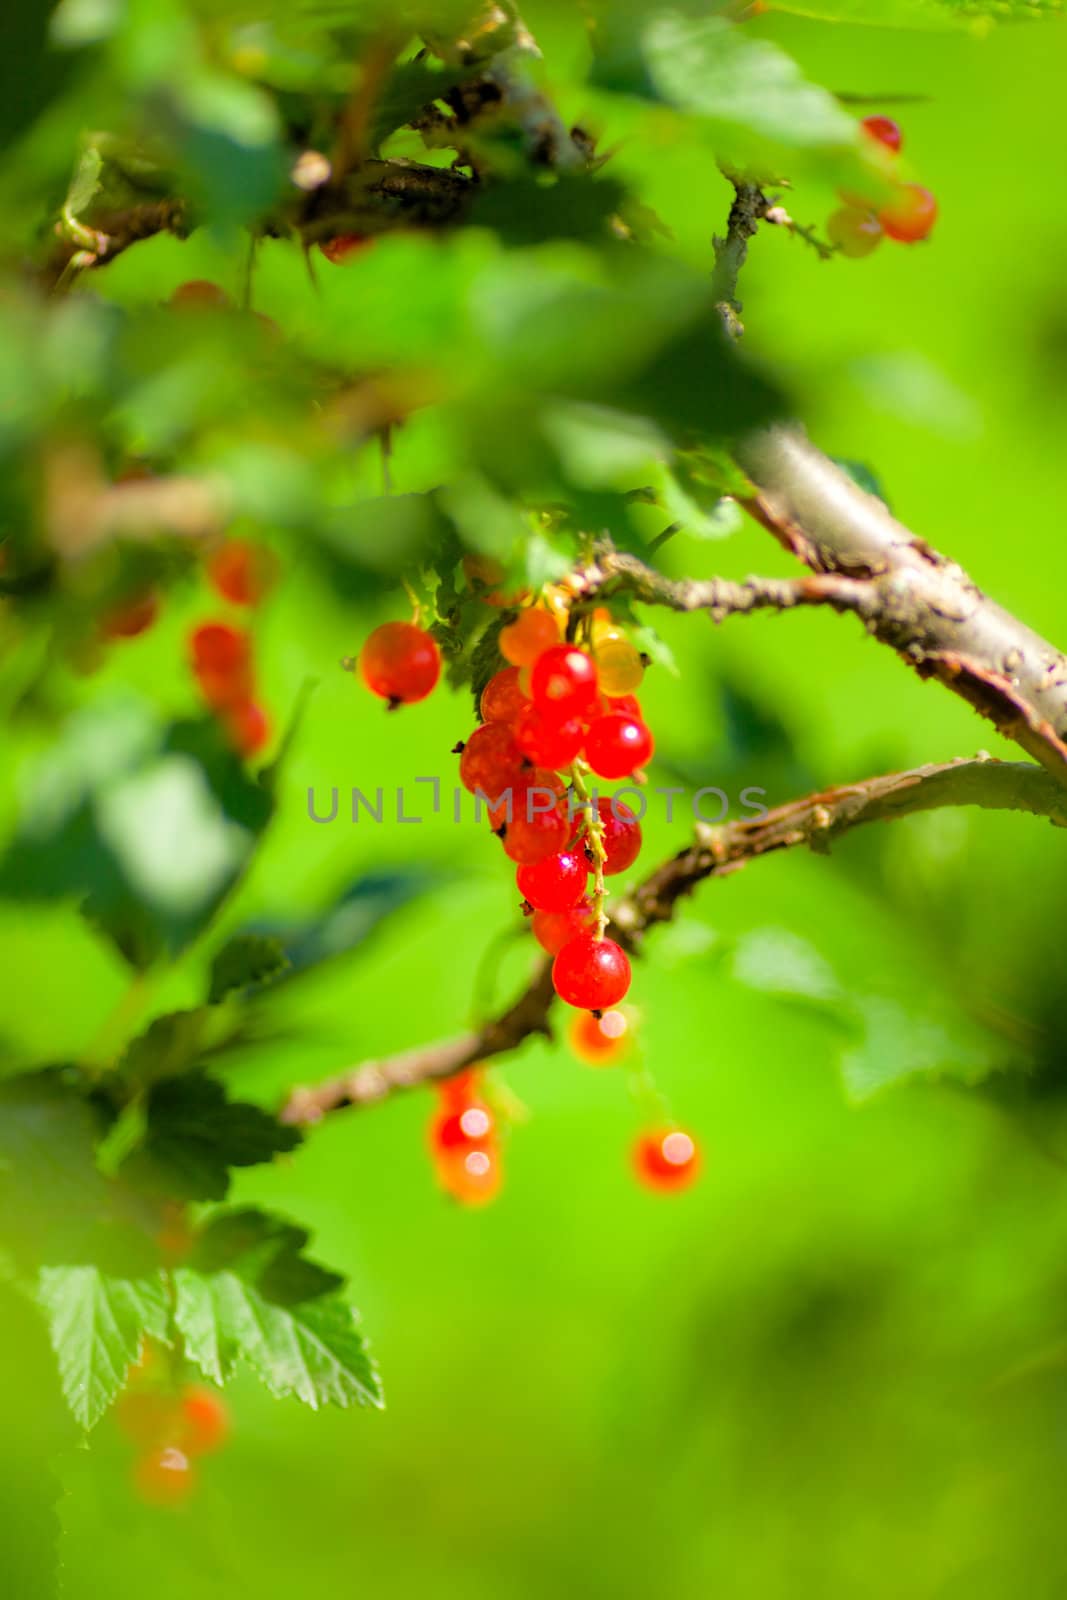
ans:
(164, 1477)
(599, 1041)
(855, 232)
(204, 1420)
(666, 1159)
(532, 633)
(910, 215)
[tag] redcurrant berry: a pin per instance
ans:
(502, 699)
(222, 663)
(146, 1416)
(666, 1159)
(401, 663)
(344, 247)
(545, 741)
(204, 1421)
(617, 745)
(473, 1177)
(554, 929)
(555, 884)
(531, 836)
(885, 130)
(621, 835)
(492, 762)
(199, 293)
(136, 615)
(590, 973)
(599, 1041)
(563, 682)
(248, 727)
(242, 573)
(910, 215)
(855, 232)
(470, 1127)
(619, 666)
(164, 1477)
(533, 631)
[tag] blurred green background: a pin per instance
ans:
(836, 1366)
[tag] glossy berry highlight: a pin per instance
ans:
(563, 682)
(555, 884)
(617, 745)
(599, 1041)
(591, 974)
(164, 1477)
(666, 1159)
(400, 663)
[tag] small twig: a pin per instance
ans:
(817, 821)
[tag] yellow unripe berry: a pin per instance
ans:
(619, 666)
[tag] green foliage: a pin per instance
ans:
(251, 1295)
(193, 1135)
(247, 961)
(97, 1324)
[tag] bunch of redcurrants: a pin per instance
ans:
(221, 654)
(559, 712)
(907, 216)
(172, 1424)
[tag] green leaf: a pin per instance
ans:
(55, 1203)
(313, 1351)
(250, 1294)
(96, 1324)
(265, 1250)
(899, 1043)
(193, 1135)
(102, 811)
(925, 15)
(747, 86)
(248, 961)
(778, 962)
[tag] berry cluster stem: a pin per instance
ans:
(594, 831)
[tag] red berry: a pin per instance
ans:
(146, 1416)
(164, 1477)
(599, 1041)
(885, 130)
(910, 215)
(492, 762)
(222, 662)
(199, 292)
(401, 663)
(242, 573)
(470, 1127)
(471, 1176)
(547, 742)
(617, 745)
(555, 884)
(531, 836)
(621, 835)
(248, 727)
(554, 929)
(134, 616)
(563, 682)
(533, 632)
(666, 1159)
(204, 1421)
(344, 247)
(502, 698)
(591, 973)
(854, 231)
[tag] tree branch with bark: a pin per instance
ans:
(816, 821)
